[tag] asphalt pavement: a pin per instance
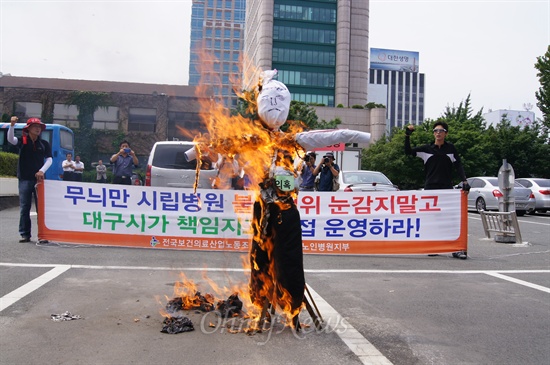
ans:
(493, 308)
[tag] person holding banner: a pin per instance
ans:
(35, 157)
(439, 159)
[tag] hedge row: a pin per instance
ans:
(8, 164)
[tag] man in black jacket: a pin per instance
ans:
(35, 157)
(439, 158)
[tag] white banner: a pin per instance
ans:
(162, 216)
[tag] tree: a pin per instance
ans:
(87, 102)
(543, 94)
(481, 149)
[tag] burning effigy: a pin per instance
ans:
(266, 156)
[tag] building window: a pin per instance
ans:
(66, 115)
(106, 118)
(142, 120)
(25, 109)
(183, 124)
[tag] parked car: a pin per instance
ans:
(484, 194)
(541, 191)
(363, 180)
(167, 166)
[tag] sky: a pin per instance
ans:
(482, 48)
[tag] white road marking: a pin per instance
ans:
(31, 286)
(521, 282)
(519, 220)
(357, 343)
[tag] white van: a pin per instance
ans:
(168, 167)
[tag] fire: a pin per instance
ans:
(256, 149)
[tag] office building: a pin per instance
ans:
(395, 77)
(320, 49)
(217, 29)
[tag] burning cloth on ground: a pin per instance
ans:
(266, 155)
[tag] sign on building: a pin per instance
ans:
(395, 60)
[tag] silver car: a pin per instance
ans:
(168, 167)
(541, 191)
(484, 194)
(364, 180)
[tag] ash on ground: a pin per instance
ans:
(178, 323)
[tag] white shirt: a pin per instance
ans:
(79, 165)
(68, 165)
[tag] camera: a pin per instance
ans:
(326, 160)
(307, 158)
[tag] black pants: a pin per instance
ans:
(122, 180)
(68, 176)
(280, 251)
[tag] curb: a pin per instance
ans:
(7, 202)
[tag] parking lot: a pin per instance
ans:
(493, 308)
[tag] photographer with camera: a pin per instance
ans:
(328, 170)
(122, 164)
(308, 166)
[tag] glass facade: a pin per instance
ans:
(304, 48)
(217, 26)
(405, 102)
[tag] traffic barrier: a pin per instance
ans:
(505, 224)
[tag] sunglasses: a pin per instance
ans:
(440, 130)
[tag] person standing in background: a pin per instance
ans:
(328, 170)
(68, 167)
(123, 161)
(439, 159)
(35, 157)
(78, 168)
(101, 170)
(308, 167)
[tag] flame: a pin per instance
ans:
(255, 148)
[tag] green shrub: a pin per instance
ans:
(357, 106)
(8, 164)
(340, 106)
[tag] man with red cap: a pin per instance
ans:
(35, 157)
